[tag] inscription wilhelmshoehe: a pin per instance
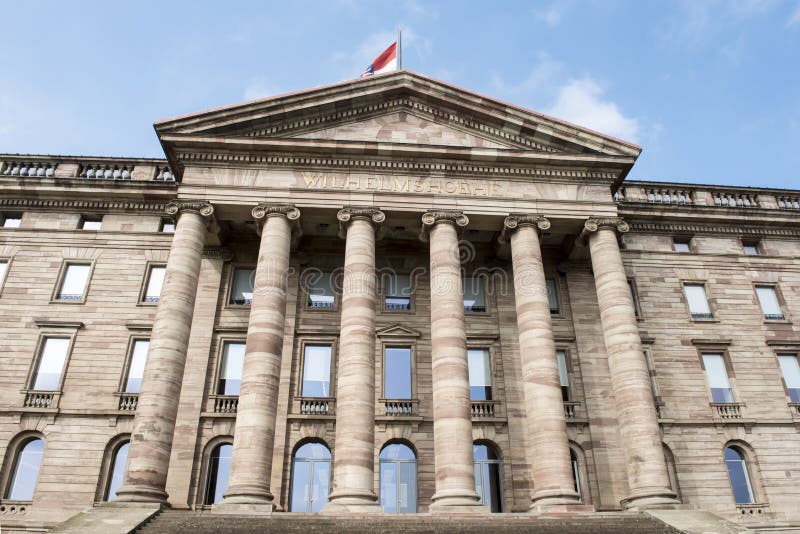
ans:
(402, 184)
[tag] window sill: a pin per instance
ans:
(230, 306)
(777, 321)
(320, 309)
(68, 301)
(12, 507)
(702, 320)
(147, 304)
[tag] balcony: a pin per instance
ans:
(483, 409)
(399, 407)
(128, 402)
(226, 403)
(316, 405)
(570, 409)
(40, 399)
(727, 411)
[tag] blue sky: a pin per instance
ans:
(709, 88)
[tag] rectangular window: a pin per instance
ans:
(133, 383)
(398, 292)
(563, 375)
(635, 301)
(51, 364)
(74, 281)
(480, 374)
(552, 295)
(717, 376)
(770, 306)
(790, 367)
(697, 300)
(91, 223)
(167, 226)
(751, 248)
(317, 371)
(230, 369)
(397, 373)
(242, 286)
(155, 279)
(474, 299)
(3, 270)
(681, 244)
(321, 292)
(12, 221)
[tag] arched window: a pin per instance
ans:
(672, 471)
(576, 471)
(736, 463)
(398, 479)
(26, 470)
(219, 469)
(117, 471)
(487, 476)
(311, 473)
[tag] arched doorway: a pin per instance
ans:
(311, 474)
(398, 479)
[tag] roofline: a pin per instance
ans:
(708, 186)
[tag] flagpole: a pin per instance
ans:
(399, 49)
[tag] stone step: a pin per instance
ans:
(179, 521)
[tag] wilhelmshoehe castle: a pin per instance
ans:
(393, 296)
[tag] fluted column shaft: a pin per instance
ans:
(154, 425)
(452, 421)
(353, 463)
(641, 437)
(548, 448)
(251, 463)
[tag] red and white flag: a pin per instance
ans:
(385, 62)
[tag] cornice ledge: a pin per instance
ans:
(351, 213)
(431, 218)
(520, 220)
(732, 229)
(711, 341)
(48, 323)
(82, 205)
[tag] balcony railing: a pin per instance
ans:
(39, 399)
(226, 403)
(85, 168)
(22, 168)
(795, 408)
(482, 409)
(570, 408)
(316, 406)
(788, 202)
(727, 410)
(398, 407)
(668, 195)
(735, 200)
(128, 402)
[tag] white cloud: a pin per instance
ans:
(794, 18)
(552, 14)
(260, 88)
(542, 81)
(583, 102)
(694, 23)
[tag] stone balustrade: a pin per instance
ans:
(95, 169)
(727, 410)
(683, 195)
(483, 409)
(39, 399)
(23, 168)
(788, 202)
(570, 409)
(226, 403)
(668, 195)
(128, 402)
(316, 406)
(795, 408)
(735, 200)
(398, 407)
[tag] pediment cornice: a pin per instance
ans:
(397, 330)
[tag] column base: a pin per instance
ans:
(142, 494)
(457, 502)
(557, 501)
(363, 502)
(660, 498)
(246, 499)
(249, 508)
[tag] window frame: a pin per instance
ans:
(229, 291)
(778, 297)
(304, 341)
(755, 243)
(382, 295)
(683, 239)
(570, 374)
(13, 450)
(62, 272)
(166, 220)
(90, 218)
(718, 349)
(637, 306)
(148, 267)
(205, 463)
(8, 260)
(33, 369)
(11, 215)
(221, 341)
(126, 366)
(107, 467)
(751, 469)
(711, 304)
(556, 278)
(786, 352)
(490, 344)
(393, 343)
(486, 306)
(305, 290)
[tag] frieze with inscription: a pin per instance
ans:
(402, 184)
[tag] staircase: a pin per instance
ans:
(179, 521)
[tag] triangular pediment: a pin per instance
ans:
(402, 107)
(397, 330)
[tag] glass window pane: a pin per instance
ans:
(73, 285)
(219, 470)
(154, 283)
(407, 488)
(317, 371)
(242, 290)
(12, 222)
(321, 474)
(321, 292)
(495, 496)
(3, 268)
(552, 295)
(398, 285)
(769, 302)
(563, 374)
(681, 246)
(751, 250)
(136, 370)
(230, 371)
(51, 364)
(301, 486)
(117, 471)
(696, 297)
(26, 471)
(791, 375)
(633, 298)
(389, 487)
(397, 451)
(737, 473)
(167, 226)
(480, 374)
(91, 224)
(397, 373)
(474, 300)
(717, 377)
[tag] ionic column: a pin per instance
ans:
(154, 425)
(251, 464)
(641, 438)
(353, 462)
(452, 422)
(548, 449)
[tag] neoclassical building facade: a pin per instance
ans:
(392, 295)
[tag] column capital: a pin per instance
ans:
(593, 224)
(431, 218)
(264, 211)
(176, 207)
(348, 214)
(521, 220)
